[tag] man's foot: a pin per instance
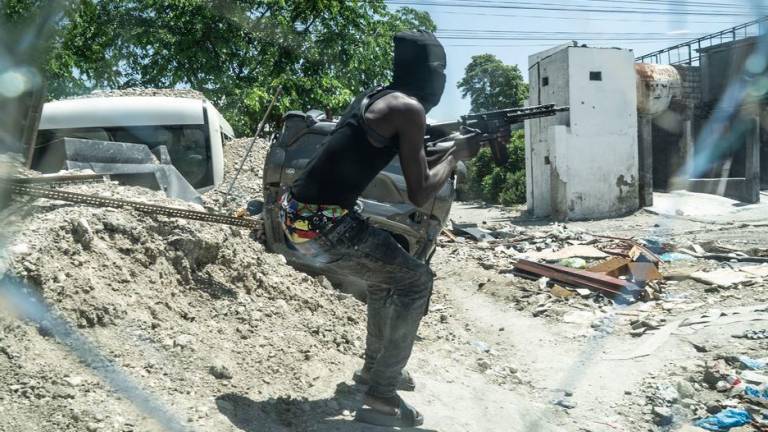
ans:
(388, 411)
(406, 382)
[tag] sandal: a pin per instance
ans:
(404, 416)
(406, 382)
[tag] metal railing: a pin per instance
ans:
(687, 53)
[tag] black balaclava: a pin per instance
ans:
(419, 67)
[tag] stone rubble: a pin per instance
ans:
(196, 313)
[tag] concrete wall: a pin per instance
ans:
(592, 152)
(722, 63)
(546, 86)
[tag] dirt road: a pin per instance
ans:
(217, 334)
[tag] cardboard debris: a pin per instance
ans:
(644, 271)
(561, 292)
(639, 253)
(611, 267)
(640, 272)
(723, 277)
(575, 251)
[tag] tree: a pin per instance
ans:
(236, 52)
(492, 85)
(499, 184)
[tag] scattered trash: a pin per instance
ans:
(663, 416)
(561, 292)
(575, 251)
(618, 288)
(642, 272)
(725, 419)
(583, 292)
(756, 394)
(566, 403)
(611, 267)
(753, 334)
(577, 263)
(656, 245)
(751, 363)
(723, 277)
(543, 282)
(481, 346)
(471, 231)
(676, 256)
(754, 377)
(641, 254)
(760, 271)
(640, 267)
(448, 234)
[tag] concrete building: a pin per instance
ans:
(711, 137)
(583, 164)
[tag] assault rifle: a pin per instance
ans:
(493, 125)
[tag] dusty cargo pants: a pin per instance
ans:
(398, 288)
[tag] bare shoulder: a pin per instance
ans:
(396, 105)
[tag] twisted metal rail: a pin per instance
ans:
(23, 188)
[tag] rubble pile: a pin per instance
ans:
(199, 315)
(721, 392)
(582, 277)
(248, 185)
(141, 91)
(575, 255)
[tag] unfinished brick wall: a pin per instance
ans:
(691, 82)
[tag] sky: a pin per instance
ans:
(517, 33)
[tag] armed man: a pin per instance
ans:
(319, 216)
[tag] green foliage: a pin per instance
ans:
(492, 85)
(499, 185)
(514, 189)
(322, 52)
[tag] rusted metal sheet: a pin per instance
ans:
(595, 281)
(657, 85)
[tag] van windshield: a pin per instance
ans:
(187, 145)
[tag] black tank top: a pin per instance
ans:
(348, 161)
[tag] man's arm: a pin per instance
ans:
(399, 115)
(435, 155)
(422, 181)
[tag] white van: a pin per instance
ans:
(193, 131)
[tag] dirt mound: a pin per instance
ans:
(197, 315)
(248, 184)
(141, 91)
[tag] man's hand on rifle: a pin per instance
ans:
(466, 147)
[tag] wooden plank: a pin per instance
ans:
(448, 234)
(611, 267)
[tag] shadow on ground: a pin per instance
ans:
(296, 414)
